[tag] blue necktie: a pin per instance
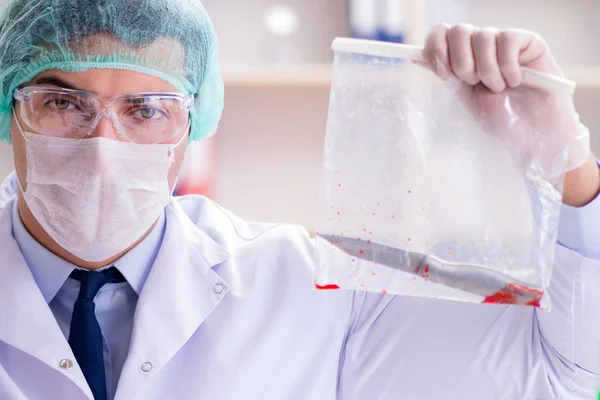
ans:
(85, 337)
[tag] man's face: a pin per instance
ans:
(106, 83)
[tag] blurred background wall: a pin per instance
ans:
(265, 162)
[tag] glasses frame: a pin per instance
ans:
(23, 95)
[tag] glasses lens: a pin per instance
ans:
(59, 114)
(152, 119)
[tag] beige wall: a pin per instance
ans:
(271, 139)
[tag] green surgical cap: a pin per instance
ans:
(171, 39)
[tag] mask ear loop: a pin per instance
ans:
(22, 132)
(172, 147)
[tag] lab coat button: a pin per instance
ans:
(66, 364)
(147, 367)
(218, 288)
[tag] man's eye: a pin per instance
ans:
(60, 104)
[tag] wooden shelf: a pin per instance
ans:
(278, 75)
(314, 74)
(585, 76)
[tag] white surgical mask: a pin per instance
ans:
(96, 197)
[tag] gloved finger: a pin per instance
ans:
(462, 59)
(510, 43)
(486, 60)
(436, 51)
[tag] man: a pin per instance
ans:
(110, 289)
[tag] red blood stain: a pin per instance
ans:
(370, 233)
(424, 272)
(377, 204)
(374, 214)
(332, 207)
(353, 260)
(338, 213)
(326, 287)
(361, 252)
(374, 273)
(362, 286)
(449, 254)
(359, 239)
(360, 208)
(393, 217)
(384, 291)
(409, 239)
(368, 242)
(410, 191)
(339, 185)
(364, 230)
(513, 293)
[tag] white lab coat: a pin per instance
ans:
(229, 312)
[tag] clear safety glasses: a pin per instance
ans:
(142, 118)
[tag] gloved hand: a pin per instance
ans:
(488, 61)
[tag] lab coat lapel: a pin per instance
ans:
(180, 293)
(26, 321)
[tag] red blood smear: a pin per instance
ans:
(534, 302)
(361, 252)
(514, 293)
(384, 292)
(410, 191)
(326, 287)
(368, 242)
(425, 272)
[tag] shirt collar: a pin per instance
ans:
(50, 271)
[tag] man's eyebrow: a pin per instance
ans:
(50, 80)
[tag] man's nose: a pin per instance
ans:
(106, 127)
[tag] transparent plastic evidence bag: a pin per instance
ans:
(435, 188)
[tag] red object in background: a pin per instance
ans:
(199, 169)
